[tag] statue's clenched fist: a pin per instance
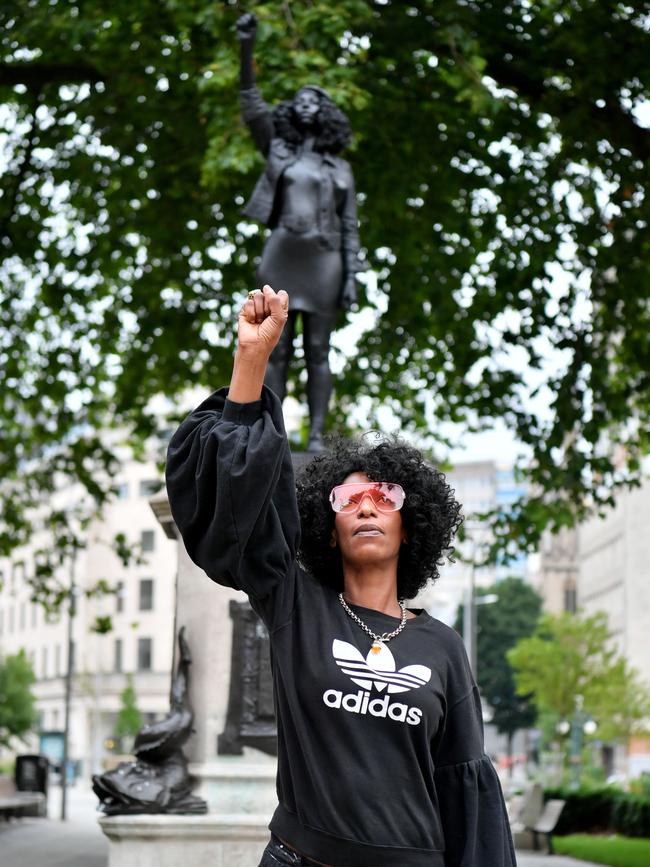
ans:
(247, 27)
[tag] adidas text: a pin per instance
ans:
(360, 702)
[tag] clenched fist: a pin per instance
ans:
(261, 321)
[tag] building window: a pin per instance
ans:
(119, 597)
(148, 487)
(570, 598)
(44, 662)
(122, 491)
(34, 615)
(57, 659)
(144, 654)
(146, 594)
(11, 618)
(117, 664)
(2, 621)
(147, 540)
(23, 615)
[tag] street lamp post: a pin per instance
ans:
(72, 610)
(470, 605)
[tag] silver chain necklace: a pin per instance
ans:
(378, 641)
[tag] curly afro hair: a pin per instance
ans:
(333, 131)
(430, 514)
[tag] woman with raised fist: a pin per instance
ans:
(380, 741)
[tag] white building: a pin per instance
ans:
(140, 642)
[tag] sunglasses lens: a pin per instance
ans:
(386, 496)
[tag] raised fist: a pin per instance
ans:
(247, 27)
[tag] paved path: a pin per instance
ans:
(77, 842)
(535, 859)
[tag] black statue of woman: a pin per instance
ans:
(306, 197)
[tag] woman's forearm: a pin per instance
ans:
(248, 373)
(260, 324)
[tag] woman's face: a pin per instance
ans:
(306, 104)
(368, 535)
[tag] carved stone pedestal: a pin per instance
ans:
(199, 841)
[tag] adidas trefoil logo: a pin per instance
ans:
(377, 671)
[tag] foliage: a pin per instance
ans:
(499, 626)
(502, 165)
(601, 810)
(632, 816)
(641, 785)
(129, 719)
(615, 851)
(17, 702)
(586, 809)
(596, 679)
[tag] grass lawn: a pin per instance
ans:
(616, 851)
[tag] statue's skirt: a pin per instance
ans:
(301, 264)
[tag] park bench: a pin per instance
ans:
(526, 810)
(15, 804)
(546, 823)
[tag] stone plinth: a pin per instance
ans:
(199, 841)
(238, 785)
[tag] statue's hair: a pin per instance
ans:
(430, 514)
(333, 131)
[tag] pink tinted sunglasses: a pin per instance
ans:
(386, 496)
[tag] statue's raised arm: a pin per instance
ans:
(246, 33)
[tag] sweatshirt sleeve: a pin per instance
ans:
(232, 495)
(472, 808)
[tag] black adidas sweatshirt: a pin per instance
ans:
(379, 763)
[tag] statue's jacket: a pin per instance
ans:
(337, 208)
(378, 765)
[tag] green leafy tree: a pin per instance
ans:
(572, 661)
(502, 164)
(17, 702)
(129, 719)
(500, 625)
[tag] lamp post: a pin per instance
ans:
(576, 728)
(72, 610)
(472, 601)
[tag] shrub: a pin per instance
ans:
(586, 810)
(632, 816)
(602, 810)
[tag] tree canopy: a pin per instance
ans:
(501, 156)
(17, 702)
(571, 663)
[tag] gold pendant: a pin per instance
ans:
(376, 647)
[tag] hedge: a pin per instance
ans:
(605, 810)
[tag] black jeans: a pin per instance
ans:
(276, 853)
